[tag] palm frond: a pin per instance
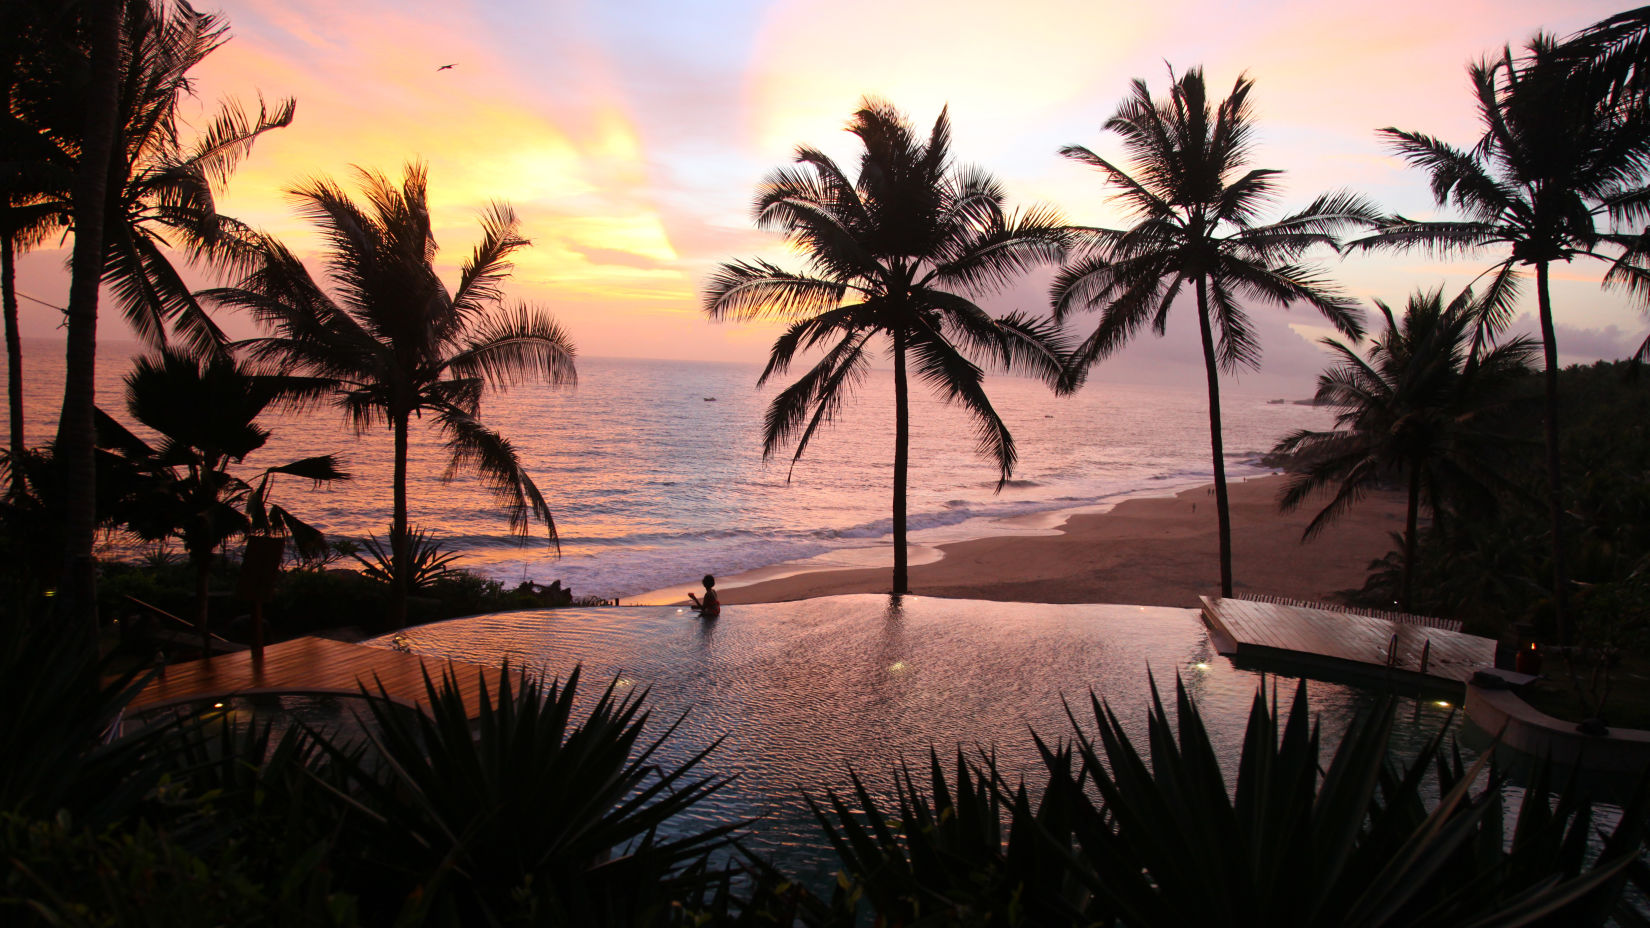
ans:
(747, 290)
(230, 135)
(1018, 342)
(821, 391)
(480, 280)
(517, 345)
(808, 333)
(474, 446)
(1440, 238)
(959, 381)
(1456, 176)
(1002, 252)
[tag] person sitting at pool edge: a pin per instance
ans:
(710, 607)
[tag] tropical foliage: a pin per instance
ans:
(94, 144)
(1161, 836)
(901, 251)
(550, 808)
(1558, 174)
(166, 202)
(428, 558)
(1198, 208)
(390, 342)
(525, 815)
(1428, 409)
(205, 411)
(35, 49)
(1487, 570)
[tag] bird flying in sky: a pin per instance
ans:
(446, 67)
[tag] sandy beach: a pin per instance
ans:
(1153, 552)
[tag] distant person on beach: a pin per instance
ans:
(710, 607)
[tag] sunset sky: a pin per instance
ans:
(631, 136)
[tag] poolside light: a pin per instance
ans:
(217, 705)
(1442, 704)
(898, 666)
(1201, 665)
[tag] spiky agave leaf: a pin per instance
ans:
(544, 802)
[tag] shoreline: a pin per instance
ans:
(1149, 551)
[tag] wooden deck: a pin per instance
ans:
(314, 666)
(1246, 629)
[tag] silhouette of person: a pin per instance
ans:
(710, 607)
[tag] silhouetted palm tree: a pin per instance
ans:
(392, 343)
(1613, 56)
(1609, 64)
(139, 195)
(1553, 164)
(898, 252)
(206, 412)
(39, 42)
(1197, 207)
(98, 138)
(1426, 409)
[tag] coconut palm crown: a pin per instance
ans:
(390, 342)
(901, 252)
(1559, 169)
(1197, 210)
(163, 203)
(1428, 409)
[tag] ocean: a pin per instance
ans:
(654, 469)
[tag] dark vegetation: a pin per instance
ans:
(1487, 569)
(550, 809)
(306, 600)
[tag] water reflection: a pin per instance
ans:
(802, 692)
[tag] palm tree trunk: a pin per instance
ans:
(203, 575)
(14, 358)
(402, 584)
(75, 425)
(1405, 594)
(1217, 445)
(1555, 483)
(902, 455)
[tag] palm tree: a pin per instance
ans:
(1198, 208)
(1616, 52)
(23, 225)
(37, 40)
(135, 195)
(1426, 409)
(1554, 161)
(390, 342)
(897, 252)
(167, 197)
(75, 426)
(205, 411)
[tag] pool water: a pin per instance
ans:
(803, 692)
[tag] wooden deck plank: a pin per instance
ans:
(1315, 632)
(313, 665)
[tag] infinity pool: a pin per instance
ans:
(803, 692)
